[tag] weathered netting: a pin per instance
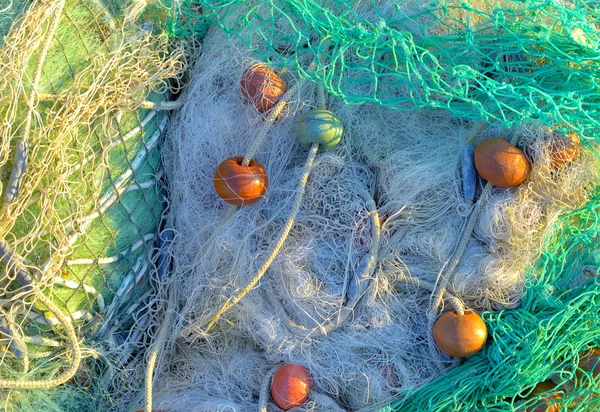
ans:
(510, 64)
(82, 84)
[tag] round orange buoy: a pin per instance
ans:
(548, 403)
(564, 150)
(290, 386)
(240, 185)
(589, 361)
(501, 163)
(460, 335)
(262, 87)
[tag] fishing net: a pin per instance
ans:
(499, 61)
(354, 252)
(82, 85)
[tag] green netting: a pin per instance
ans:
(544, 338)
(82, 199)
(504, 61)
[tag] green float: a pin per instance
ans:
(319, 126)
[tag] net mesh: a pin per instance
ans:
(501, 61)
(81, 82)
(82, 199)
(504, 62)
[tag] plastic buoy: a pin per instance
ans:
(262, 87)
(319, 126)
(240, 185)
(548, 403)
(290, 386)
(501, 163)
(460, 335)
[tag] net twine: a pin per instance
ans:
(259, 139)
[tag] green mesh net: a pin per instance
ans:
(506, 62)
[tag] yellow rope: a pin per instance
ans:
(295, 208)
(75, 357)
(160, 340)
(284, 234)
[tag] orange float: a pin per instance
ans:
(460, 336)
(501, 163)
(240, 185)
(262, 87)
(589, 361)
(290, 386)
(564, 150)
(550, 403)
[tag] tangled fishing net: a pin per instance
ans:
(80, 82)
(350, 256)
(346, 263)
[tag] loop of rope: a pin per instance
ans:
(75, 357)
(27, 281)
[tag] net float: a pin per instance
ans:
(262, 87)
(589, 361)
(501, 163)
(240, 185)
(319, 126)
(548, 403)
(290, 386)
(564, 150)
(458, 335)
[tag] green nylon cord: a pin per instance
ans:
(501, 63)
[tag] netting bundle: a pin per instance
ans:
(372, 205)
(80, 82)
(344, 265)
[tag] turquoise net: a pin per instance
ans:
(520, 60)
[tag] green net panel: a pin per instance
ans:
(506, 62)
(503, 61)
(81, 191)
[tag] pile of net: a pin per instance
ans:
(81, 86)
(353, 252)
